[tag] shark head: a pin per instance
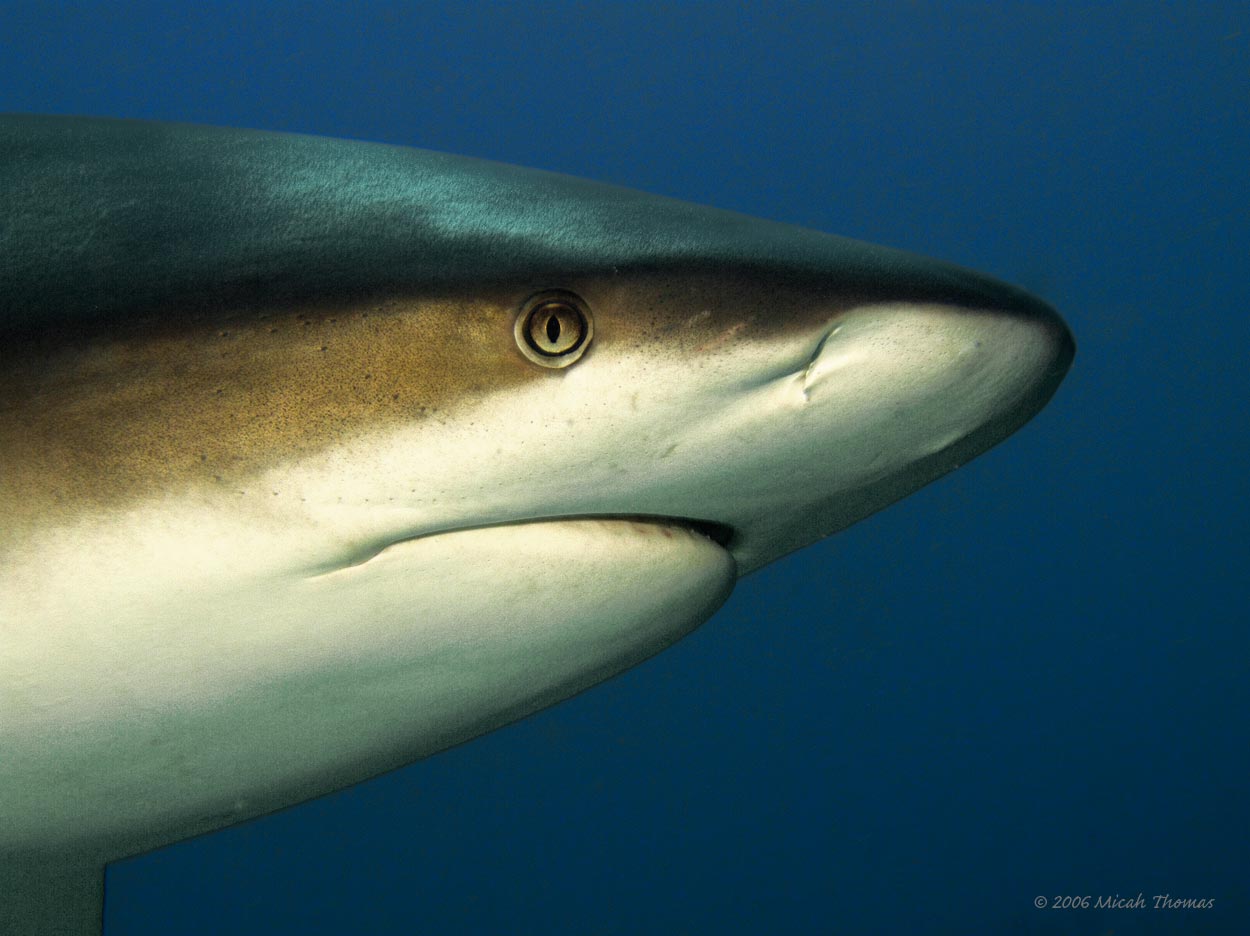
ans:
(317, 456)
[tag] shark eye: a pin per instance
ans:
(553, 329)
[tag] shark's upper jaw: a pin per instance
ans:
(893, 396)
(764, 446)
(896, 395)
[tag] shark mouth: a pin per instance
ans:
(721, 534)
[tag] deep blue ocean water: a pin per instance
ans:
(1028, 680)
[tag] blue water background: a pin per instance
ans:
(1029, 679)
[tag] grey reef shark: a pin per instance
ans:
(318, 456)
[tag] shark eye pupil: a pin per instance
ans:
(553, 329)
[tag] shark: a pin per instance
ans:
(320, 456)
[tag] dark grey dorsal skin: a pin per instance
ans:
(110, 219)
(287, 499)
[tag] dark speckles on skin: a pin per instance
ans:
(122, 419)
(183, 401)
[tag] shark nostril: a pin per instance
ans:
(811, 371)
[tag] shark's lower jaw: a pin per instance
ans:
(432, 642)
